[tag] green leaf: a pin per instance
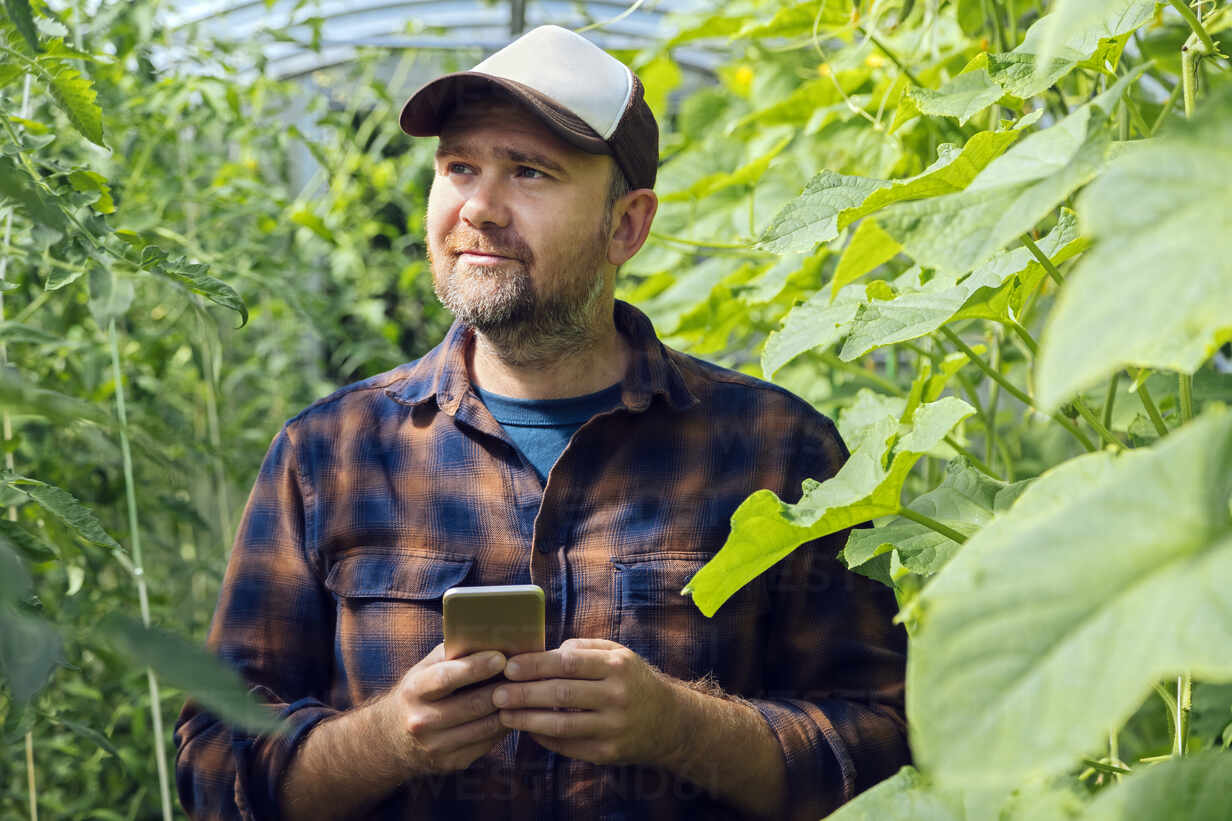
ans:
(93, 182)
(193, 276)
(813, 216)
(90, 734)
(19, 394)
(747, 174)
(29, 652)
(801, 19)
(818, 322)
(1075, 29)
(190, 668)
(765, 529)
(989, 292)
(932, 422)
(16, 186)
(966, 500)
(1102, 573)
(1195, 788)
(76, 96)
(869, 247)
(1155, 290)
(65, 507)
(956, 232)
(962, 97)
(908, 794)
(23, 20)
(18, 333)
(25, 542)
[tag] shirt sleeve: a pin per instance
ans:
(836, 664)
(274, 624)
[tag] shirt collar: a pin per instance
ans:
(441, 374)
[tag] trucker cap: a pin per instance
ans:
(579, 91)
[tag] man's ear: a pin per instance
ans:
(631, 216)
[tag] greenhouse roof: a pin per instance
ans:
(301, 36)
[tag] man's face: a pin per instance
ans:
(517, 230)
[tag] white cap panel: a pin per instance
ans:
(597, 87)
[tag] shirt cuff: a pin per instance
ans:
(820, 773)
(261, 761)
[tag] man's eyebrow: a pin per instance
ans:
(463, 149)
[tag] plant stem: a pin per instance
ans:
(893, 58)
(1163, 112)
(31, 781)
(1189, 77)
(1013, 390)
(994, 398)
(1196, 25)
(872, 377)
(1148, 404)
(932, 524)
(1024, 335)
(1043, 259)
(733, 246)
(1184, 703)
(1110, 399)
(1185, 389)
(138, 568)
(1096, 425)
(990, 11)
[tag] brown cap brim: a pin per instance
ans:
(427, 109)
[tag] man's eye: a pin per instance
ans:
(458, 168)
(532, 173)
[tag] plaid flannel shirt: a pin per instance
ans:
(374, 501)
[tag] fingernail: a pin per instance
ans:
(496, 662)
(501, 697)
(513, 668)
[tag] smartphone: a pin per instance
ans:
(508, 618)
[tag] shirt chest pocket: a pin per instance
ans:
(388, 612)
(659, 624)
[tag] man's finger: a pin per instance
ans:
(472, 703)
(585, 724)
(439, 680)
(579, 694)
(564, 662)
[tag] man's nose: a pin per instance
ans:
(485, 205)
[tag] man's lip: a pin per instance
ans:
(488, 254)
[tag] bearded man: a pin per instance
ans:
(549, 439)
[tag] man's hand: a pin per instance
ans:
(437, 728)
(593, 700)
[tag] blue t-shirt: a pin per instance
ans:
(540, 428)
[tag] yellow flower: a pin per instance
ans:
(744, 78)
(824, 70)
(874, 60)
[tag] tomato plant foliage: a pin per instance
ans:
(991, 239)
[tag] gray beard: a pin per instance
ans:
(524, 329)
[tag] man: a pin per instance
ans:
(551, 439)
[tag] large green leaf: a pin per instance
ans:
(921, 308)
(869, 247)
(23, 19)
(1157, 288)
(14, 580)
(819, 322)
(1109, 572)
(909, 795)
(76, 96)
(963, 97)
(831, 201)
(65, 507)
(869, 484)
(813, 216)
(957, 232)
(801, 19)
(966, 500)
(1195, 788)
(29, 652)
(25, 542)
(1074, 29)
(191, 668)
